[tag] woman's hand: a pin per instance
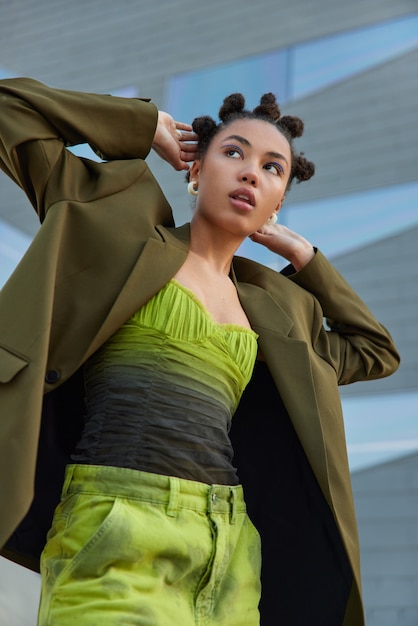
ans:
(281, 240)
(174, 142)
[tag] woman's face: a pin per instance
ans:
(243, 176)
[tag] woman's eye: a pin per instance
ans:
(232, 152)
(275, 168)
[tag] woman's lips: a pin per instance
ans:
(243, 198)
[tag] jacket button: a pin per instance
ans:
(52, 376)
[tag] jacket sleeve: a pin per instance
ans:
(38, 123)
(357, 345)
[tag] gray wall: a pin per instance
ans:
(361, 133)
(387, 511)
(385, 274)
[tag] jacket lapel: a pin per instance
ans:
(157, 263)
(288, 361)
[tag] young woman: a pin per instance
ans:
(126, 345)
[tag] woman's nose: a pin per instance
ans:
(249, 177)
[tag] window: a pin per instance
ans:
(292, 72)
(319, 63)
(196, 93)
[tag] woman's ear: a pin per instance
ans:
(279, 206)
(195, 171)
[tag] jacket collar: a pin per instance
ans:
(178, 236)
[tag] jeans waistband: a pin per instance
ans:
(170, 491)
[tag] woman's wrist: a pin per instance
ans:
(303, 255)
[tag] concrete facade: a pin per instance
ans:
(387, 511)
(362, 134)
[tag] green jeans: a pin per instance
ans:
(130, 548)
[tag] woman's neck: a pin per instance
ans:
(213, 248)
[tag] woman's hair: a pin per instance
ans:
(233, 108)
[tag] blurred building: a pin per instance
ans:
(350, 71)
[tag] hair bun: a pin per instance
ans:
(268, 107)
(204, 126)
(233, 104)
(294, 125)
(303, 169)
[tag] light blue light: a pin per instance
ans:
(319, 63)
(292, 72)
(341, 224)
(5, 73)
(380, 428)
(338, 225)
(202, 92)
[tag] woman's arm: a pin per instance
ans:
(37, 123)
(357, 345)
(174, 142)
(285, 242)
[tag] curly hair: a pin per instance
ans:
(233, 108)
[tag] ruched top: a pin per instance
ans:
(161, 392)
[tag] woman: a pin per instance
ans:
(159, 329)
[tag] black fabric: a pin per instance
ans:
(150, 415)
(306, 576)
(62, 420)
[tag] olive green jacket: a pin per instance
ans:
(107, 244)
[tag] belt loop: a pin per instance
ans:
(212, 498)
(173, 499)
(233, 506)
(69, 471)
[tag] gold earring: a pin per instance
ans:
(192, 188)
(272, 219)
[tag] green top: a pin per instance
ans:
(160, 394)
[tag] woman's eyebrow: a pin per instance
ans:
(245, 142)
(277, 155)
(239, 138)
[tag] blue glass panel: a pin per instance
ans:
(338, 225)
(293, 72)
(319, 63)
(84, 150)
(5, 73)
(373, 435)
(125, 92)
(202, 92)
